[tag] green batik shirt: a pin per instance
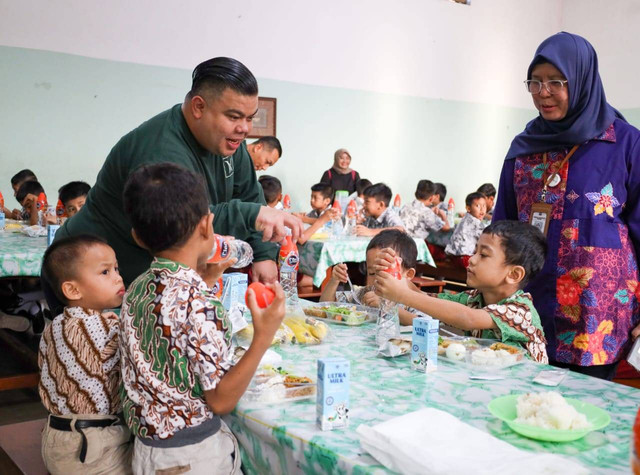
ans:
(234, 194)
(516, 318)
(175, 343)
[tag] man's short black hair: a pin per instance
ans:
(271, 143)
(28, 187)
(60, 262)
(164, 203)
(379, 192)
(362, 185)
(471, 197)
(523, 245)
(487, 190)
(22, 176)
(213, 76)
(399, 241)
(271, 187)
(323, 188)
(73, 190)
(441, 190)
(425, 190)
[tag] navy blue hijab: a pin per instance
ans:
(589, 114)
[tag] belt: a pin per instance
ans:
(67, 425)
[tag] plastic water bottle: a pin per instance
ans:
(61, 212)
(397, 204)
(337, 228)
(342, 197)
(388, 325)
(451, 211)
(352, 212)
(286, 203)
(224, 248)
(288, 261)
(2, 216)
(41, 206)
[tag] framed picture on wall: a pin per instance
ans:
(264, 122)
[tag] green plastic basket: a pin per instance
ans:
(504, 408)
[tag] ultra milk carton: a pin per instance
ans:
(234, 287)
(424, 344)
(332, 405)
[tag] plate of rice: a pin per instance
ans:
(549, 416)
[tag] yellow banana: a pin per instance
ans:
(317, 329)
(302, 333)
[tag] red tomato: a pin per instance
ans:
(264, 295)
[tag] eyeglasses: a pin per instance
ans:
(552, 87)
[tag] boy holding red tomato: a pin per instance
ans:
(175, 336)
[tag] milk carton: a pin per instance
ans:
(332, 405)
(424, 344)
(51, 232)
(233, 289)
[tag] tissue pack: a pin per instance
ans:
(424, 344)
(234, 286)
(332, 404)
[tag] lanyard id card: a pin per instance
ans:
(540, 216)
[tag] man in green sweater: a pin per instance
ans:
(204, 134)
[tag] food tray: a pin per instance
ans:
(272, 385)
(479, 353)
(342, 313)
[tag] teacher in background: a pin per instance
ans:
(574, 172)
(340, 176)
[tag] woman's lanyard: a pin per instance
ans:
(541, 211)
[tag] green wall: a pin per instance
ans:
(60, 115)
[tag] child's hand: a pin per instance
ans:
(339, 273)
(266, 321)
(441, 213)
(386, 259)
(370, 299)
(362, 230)
(390, 288)
(210, 272)
(299, 214)
(329, 214)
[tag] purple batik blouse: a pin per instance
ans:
(587, 293)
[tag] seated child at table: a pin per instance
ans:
(379, 215)
(466, 234)
(79, 361)
(27, 196)
(418, 217)
(508, 255)
(73, 196)
(440, 195)
(16, 181)
(177, 370)
(405, 248)
(321, 199)
(358, 195)
(272, 189)
(489, 192)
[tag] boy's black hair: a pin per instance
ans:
(471, 197)
(271, 143)
(399, 241)
(523, 245)
(362, 185)
(213, 76)
(164, 203)
(380, 192)
(29, 186)
(61, 258)
(73, 190)
(441, 190)
(325, 189)
(271, 187)
(22, 176)
(487, 190)
(425, 190)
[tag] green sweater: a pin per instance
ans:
(235, 196)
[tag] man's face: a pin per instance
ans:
(222, 123)
(263, 157)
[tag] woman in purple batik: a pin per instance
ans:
(575, 173)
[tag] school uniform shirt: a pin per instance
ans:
(79, 362)
(516, 318)
(388, 219)
(587, 292)
(465, 236)
(314, 213)
(420, 220)
(234, 194)
(175, 345)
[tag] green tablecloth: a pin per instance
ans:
(317, 256)
(20, 255)
(284, 438)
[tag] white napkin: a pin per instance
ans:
(430, 441)
(34, 231)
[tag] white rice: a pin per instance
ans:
(550, 411)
